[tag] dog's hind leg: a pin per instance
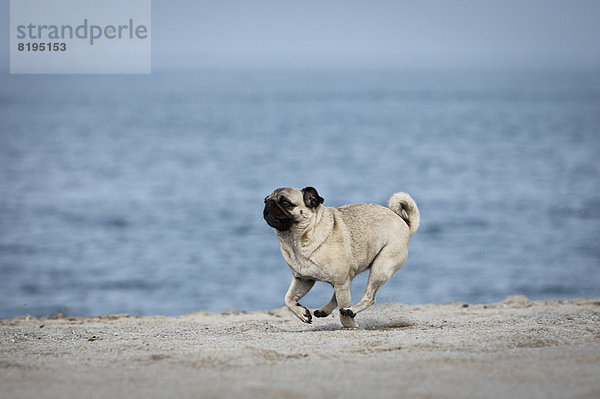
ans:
(342, 296)
(384, 266)
(327, 309)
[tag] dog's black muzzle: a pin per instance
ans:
(277, 217)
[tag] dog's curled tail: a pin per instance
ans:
(406, 208)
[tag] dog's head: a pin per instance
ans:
(288, 207)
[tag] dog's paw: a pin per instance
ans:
(301, 312)
(347, 312)
(307, 316)
(320, 313)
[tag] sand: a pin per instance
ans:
(513, 349)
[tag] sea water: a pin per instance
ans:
(144, 194)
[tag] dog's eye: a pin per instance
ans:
(286, 204)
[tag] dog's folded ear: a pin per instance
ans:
(311, 197)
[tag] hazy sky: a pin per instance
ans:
(419, 33)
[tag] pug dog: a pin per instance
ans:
(333, 245)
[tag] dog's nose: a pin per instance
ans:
(269, 204)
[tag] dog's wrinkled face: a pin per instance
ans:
(289, 207)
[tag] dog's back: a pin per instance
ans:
(372, 227)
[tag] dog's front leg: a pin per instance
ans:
(298, 288)
(344, 301)
(327, 309)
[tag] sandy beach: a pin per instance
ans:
(516, 348)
